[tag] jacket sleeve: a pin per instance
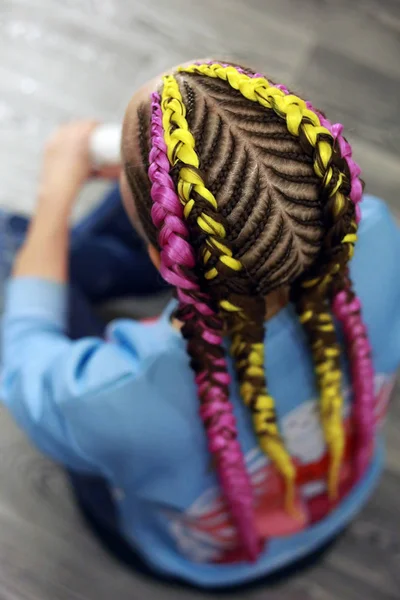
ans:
(45, 374)
(376, 274)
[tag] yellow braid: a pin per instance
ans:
(181, 147)
(329, 376)
(300, 119)
(288, 106)
(263, 410)
(330, 383)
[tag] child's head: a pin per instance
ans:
(243, 191)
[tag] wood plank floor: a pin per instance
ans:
(60, 60)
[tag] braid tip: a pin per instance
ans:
(290, 499)
(333, 479)
(254, 551)
(362, 462)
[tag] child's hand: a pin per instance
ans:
(66, 164)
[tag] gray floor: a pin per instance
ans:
(60, 60)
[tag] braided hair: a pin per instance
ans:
(251, 190)
(202, 324)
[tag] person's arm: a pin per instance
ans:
(47, 379)
(66, 167)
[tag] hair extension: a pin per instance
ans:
(195, 196)
(302, 121)
(312, 297)
(347, 309)
(202, 327)
(288, 192)
(247, 349)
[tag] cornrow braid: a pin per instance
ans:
(300, 120)
(202, 329)
(347, 309)
(339, 181)
(180, 145)
(317, 320)
(312, 298)
(248, 349)
(288, 192)
(335, 130)
(219, 262)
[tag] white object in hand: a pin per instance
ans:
(105, 145)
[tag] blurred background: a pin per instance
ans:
(84, 58)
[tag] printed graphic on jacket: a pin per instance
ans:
(204, 533)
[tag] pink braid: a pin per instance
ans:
(348, 311)
(362, 374)
(177, 264)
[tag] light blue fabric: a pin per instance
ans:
(126, 407)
